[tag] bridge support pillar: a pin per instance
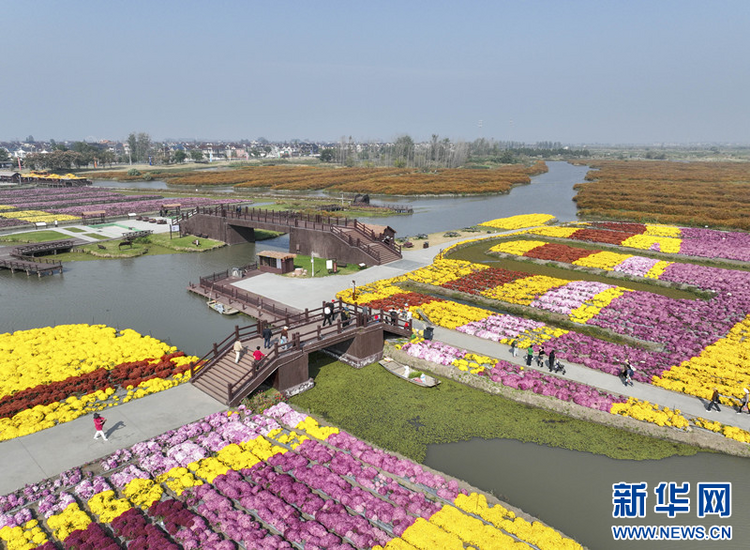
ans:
(293, 377)
(365, 348)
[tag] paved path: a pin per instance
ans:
(688, 404)
(47, 453)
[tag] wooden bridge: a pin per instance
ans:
(357, 341)
(23, 257)
(345, 239)
(218, 286)
(49, 247)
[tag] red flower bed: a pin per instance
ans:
(637, 228)
(559, 253)
(478, 281)
(401, 301)
(123, 375)
(602, 235)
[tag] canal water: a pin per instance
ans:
(570, 490)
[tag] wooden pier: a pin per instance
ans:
(31, 266)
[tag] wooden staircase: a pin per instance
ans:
(228, 382)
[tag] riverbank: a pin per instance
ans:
(702, 439)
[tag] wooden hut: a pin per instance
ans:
(272, 261)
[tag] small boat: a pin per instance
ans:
(221, 308)
(409, 374)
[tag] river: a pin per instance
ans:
(570, 490)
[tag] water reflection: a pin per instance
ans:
(573, 490)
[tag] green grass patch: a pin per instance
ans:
(320, 267)
(182, 244)
(96, 236)
(376, 406)
(76, 229)
(264, 235)
(34, 237)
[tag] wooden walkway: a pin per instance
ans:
(31, 266)
(219, 376)
(218, 286)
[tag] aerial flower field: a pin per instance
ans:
(277, 480)
(53, 375)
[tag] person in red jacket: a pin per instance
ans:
(99, 426)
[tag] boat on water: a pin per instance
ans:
(221, 308)
(408, 374)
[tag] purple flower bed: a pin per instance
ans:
(571, 296)
(514, 376)
(709, 243)
(499, 327)
(683, 326)
(636, 265)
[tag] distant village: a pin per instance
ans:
(105, 152)
(55, 155)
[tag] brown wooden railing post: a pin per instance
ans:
(237, 332)
(318, 329)
(216, 350)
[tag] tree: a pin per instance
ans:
(142, 146)
(4, 155)
(196, 155)
(180, 156)
(404, 149)
(131, 147)
(327, 155)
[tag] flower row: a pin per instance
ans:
(263, 483)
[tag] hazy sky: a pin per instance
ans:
(572, 71)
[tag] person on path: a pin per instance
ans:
(714, 401)
(99, 426)
(327, 314)
(540, 358)
(238, 349)
(284, 336)
(258, 355)
(345, 317)
(744, 401)
(624, 375)
(552, 359)
(529, 355)
(514, 348)
(267, 334)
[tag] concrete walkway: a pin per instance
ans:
(688, 404)
(48, 453)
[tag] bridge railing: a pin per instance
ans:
(305, 328)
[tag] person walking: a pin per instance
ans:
(714, 401)
(267, 334)
(99, 421)
(540, 358)
(258, 355)
(514, 348)
(744, 401)
(327, 314)
(529, 355)
(284, 336)
(552, 359)
(238, 349)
